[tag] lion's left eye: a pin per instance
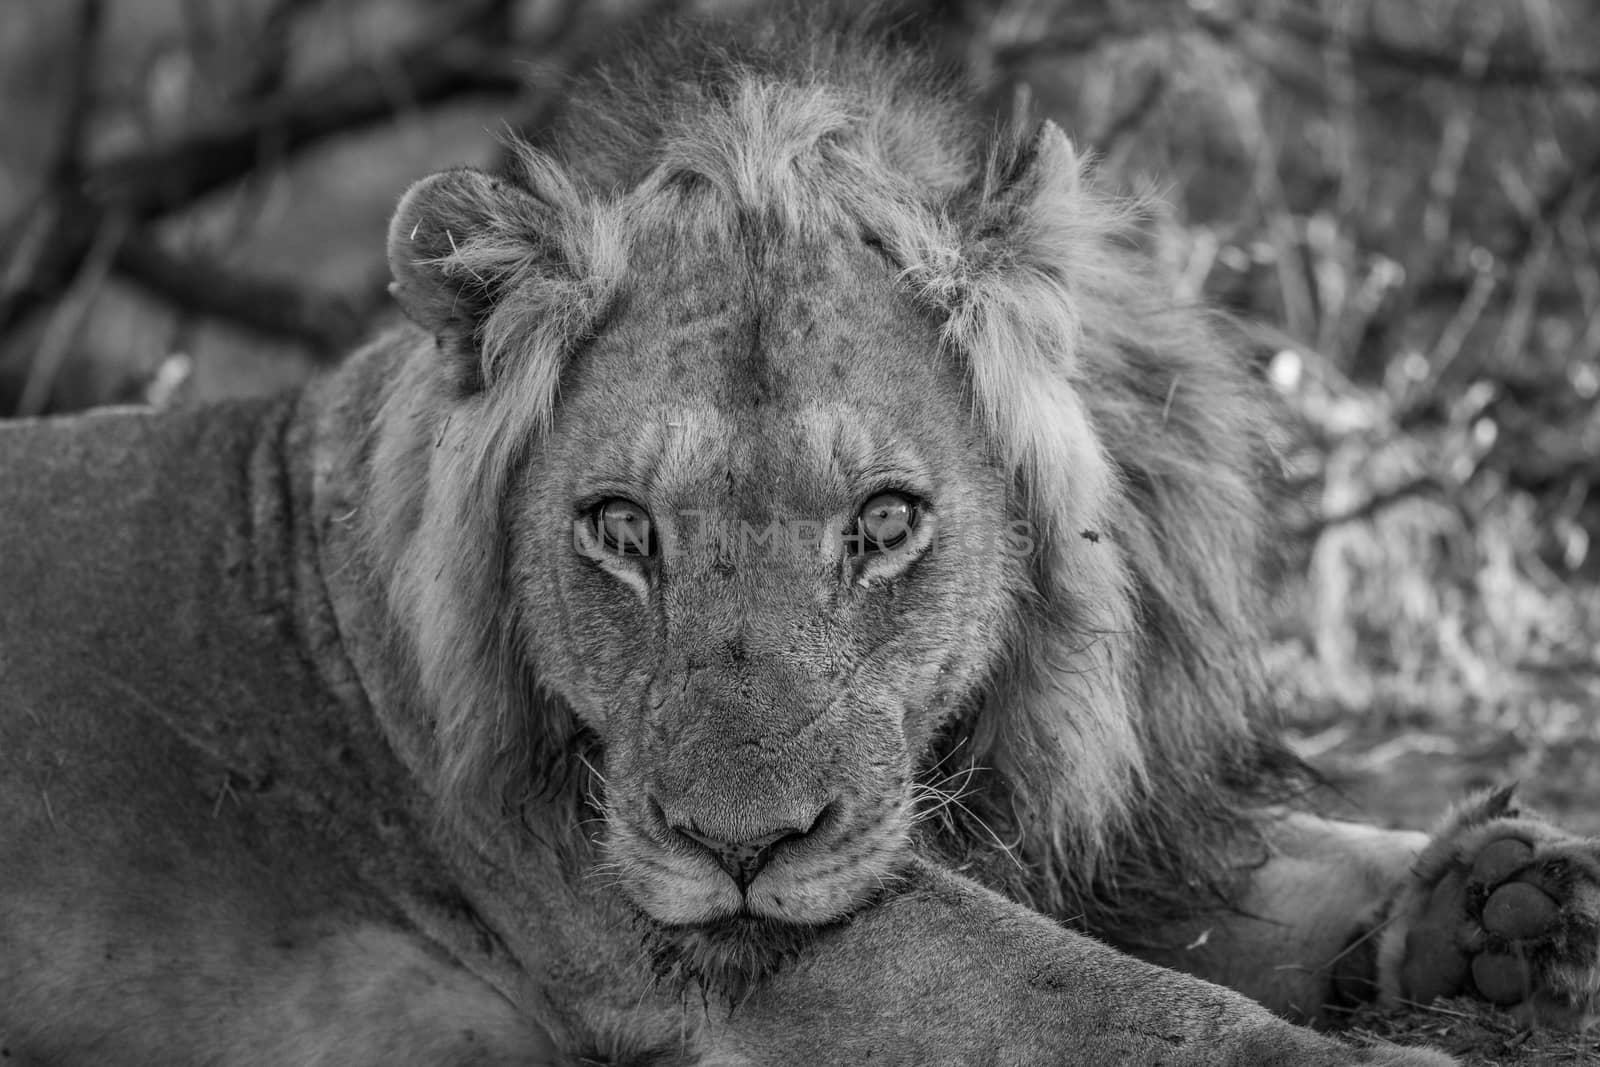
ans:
(884, 523)
(625, 527)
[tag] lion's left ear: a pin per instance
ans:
(1032, 235)
(1043, 174)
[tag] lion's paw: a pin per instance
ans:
(1501, 905)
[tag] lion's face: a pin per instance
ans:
(763, 554)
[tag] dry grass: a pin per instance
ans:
(1477, 1035)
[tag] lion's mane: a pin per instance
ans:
(1125, 735)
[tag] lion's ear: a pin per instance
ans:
(1033, 259)
(1044, 174)
(448, 244)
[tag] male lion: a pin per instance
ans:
(564, 679)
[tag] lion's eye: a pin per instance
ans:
(884, 523)
(624, 527)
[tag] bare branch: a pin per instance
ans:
(1567, 197)
(44, 247)
(147, 183)
(1423, 485)
(153, 181)
(1076, 34)
(67, 322)
(265, 73)
(325, 323)
(1127, 120)
(67, 161)
(1086, 33)
(1504, 71)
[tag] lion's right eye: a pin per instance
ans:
(624, 527)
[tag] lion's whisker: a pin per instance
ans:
(592, 769)
(952, 799)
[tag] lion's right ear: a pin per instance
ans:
(449, 244)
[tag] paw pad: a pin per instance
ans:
(1501, 859)
(1502, 979)
(1520, 911)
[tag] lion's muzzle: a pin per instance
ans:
(745, 852)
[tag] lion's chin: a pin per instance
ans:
(729, 944)
(728, 957)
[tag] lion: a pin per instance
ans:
(788, 595)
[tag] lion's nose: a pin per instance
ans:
(743, 858)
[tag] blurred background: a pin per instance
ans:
(1405, 197)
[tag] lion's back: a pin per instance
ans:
(131, 559)
(152, 825)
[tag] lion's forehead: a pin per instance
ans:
(758, 321)
(789, 374)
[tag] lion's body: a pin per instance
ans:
(209, 851)
(333, 729)
(187, 650)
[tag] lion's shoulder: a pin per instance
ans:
(153, 575)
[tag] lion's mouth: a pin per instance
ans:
(741, 931)
(801, 885)
(734, 947)
(701, 922)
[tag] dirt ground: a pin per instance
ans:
(1407, 778)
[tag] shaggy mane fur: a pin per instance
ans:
(1124, 737)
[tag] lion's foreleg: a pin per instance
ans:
(946, 972)
(1304, 933)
